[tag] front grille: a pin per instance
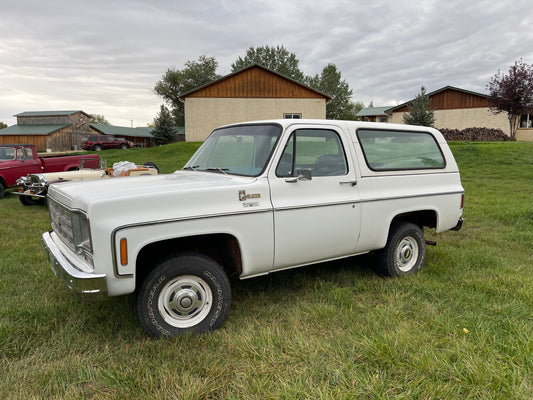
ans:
(61, 220)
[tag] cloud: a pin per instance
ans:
(105, 57)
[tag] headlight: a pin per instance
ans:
(81, 233)
(23, 181)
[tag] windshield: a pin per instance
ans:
(7, 153)
(238, 150)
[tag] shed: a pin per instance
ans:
(55, 130)
(253, 93)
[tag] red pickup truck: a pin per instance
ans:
(18, 160)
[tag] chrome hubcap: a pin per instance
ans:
(185, 301)
(407, 254)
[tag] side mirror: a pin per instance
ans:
(303, 175)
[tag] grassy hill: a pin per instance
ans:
(461, 328)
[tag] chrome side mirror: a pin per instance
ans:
(303, 175)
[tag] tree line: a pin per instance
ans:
(197, 73)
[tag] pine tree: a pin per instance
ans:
(165, 129)
(419, 112)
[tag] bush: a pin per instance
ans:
(474, 134)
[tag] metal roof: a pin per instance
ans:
(32, 129)
(49, 113)
(123, 130)
(372, 111)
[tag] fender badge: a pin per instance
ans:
(243, 196)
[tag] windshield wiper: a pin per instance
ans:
(223, 170)
(192, 167)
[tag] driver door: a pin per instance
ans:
(314, 219)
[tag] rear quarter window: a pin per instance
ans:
(390, 150)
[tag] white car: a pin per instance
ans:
(255, 198)
(32, 188)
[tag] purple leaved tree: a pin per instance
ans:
(512, 93)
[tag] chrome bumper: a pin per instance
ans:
(88, 286)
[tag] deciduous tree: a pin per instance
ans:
(98, 119)
(330, 82)
(512, 93)
(277, 59)
(176, 82)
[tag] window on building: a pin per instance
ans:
(292, 116)
(526, 121)
(383, 119)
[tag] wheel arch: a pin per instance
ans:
(223, 248)
(422, 218)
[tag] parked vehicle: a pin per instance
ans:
(18, 160)
(104, 142)
(255, 198)
(34, 187)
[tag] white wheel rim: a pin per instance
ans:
(185, 301)
(407, 254)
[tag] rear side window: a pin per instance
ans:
(386, 150)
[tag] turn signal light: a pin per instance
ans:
(123, 251)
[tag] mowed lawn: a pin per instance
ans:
(460, 329)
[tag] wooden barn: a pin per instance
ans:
(253, 93)
(48, 130)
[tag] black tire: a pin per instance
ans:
(404, 253)
(31, 201)
(2, 190)
(97, 148)
(123, 146)
(187, 293)
(150, 164)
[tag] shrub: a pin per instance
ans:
(474, 134)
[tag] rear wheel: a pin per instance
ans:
(405, 251)
(2, 190)
(185, 293)
(123, 146)
(97, 148)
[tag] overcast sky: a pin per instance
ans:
(104, 57)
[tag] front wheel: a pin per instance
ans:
(31, 201)
(405, 251)
(185, 293)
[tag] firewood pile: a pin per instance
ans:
(474, 134)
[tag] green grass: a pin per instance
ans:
(460, 329)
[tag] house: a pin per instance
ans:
(374, 114)
(456, 108)
(55, 130)
(253, 93)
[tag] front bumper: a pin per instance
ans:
(87, 286)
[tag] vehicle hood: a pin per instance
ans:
(156, 197)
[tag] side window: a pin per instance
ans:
(386, 150)
(318, 150)
(20, 153)
(28, 153)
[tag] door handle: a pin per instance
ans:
(353, 183)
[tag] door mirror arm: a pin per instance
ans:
(303, 175)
